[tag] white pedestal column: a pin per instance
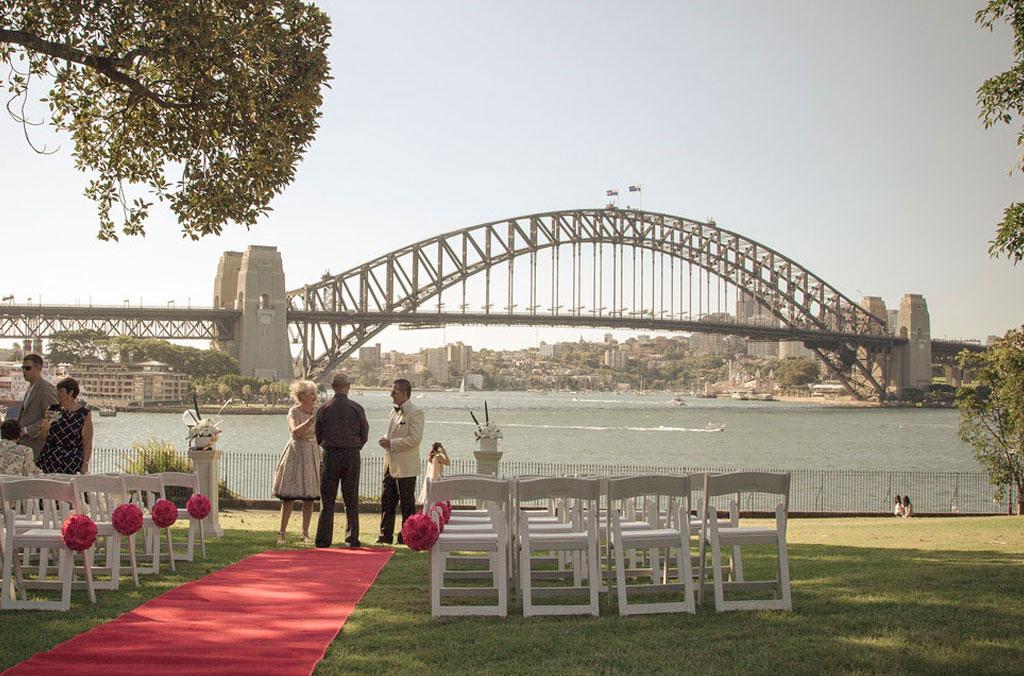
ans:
(207, 466)
(488, 457)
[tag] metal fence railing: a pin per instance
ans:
(251, 476)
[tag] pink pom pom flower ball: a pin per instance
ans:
(419, 532)
(198, 506)
(78, 532)
(164, 513)
(127, 519)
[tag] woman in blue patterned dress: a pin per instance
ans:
(68, 444)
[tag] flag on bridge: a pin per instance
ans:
(611, 193)
(634, 188)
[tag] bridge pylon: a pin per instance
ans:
(253, 283)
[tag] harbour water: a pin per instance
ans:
(621, 429)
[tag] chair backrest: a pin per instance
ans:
(58, 498)
(775, 483)
(99, 495)
(649, 484)
(143, 490)
(180, 480)
(475, 488)
(558, 487)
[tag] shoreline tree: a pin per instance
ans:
(992, 412)
(207, 106)
(1001, 99)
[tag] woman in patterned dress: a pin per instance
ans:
(298, 471)
(68, 429)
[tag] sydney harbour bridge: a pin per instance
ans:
(609, 268)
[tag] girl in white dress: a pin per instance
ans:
(298, 471)
(436, 461)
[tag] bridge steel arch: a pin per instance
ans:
(331, 318)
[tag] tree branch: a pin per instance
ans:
(101, 64)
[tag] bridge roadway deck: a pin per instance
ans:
(26, 321)
(426, 319)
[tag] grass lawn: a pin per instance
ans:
(869, 595)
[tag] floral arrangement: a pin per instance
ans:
(78, 532)
(164, 513)
(419, 532)
(127, 519)
(487, 430)
(198, 506)
(202, 433)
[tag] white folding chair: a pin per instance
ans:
(144, 491)
(715, 537)
(668, 534)
(493, 494)
(58, 500)
(99, 495)
(188, 480)
(697, 522)
(578, 536)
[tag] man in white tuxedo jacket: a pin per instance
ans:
(401, 460)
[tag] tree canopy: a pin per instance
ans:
(74, 347)
(206, 105)
(992, 413)
(1001, 99)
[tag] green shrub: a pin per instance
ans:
(158, 455)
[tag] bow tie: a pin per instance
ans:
(398, 409)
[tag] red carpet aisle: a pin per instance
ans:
(273, 613)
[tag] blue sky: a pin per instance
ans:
(843, 134)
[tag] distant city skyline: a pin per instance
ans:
(844, 136)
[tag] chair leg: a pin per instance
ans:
(132, 558)
(716, 570)
(501, 580)
(7, 580)
(620, 579)
(685, 568)
(202, 539)
(436, 579)
(66, 566)
(525, 581)
(114, 559)
(170, 549)
(736, 564)
(787, 598)
(594, 578)
(88, 556)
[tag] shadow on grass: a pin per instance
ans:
(855, 609)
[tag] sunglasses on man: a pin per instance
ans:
(27, 367)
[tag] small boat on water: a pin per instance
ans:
(108, 412)
(677, 401)
(714, 427)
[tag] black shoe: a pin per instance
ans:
(400, 539)
(326, 546)
(384, 541)
(355, 544)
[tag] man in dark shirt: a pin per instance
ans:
(341, 431)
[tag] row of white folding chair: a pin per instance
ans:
(57, 499)
(488, 536)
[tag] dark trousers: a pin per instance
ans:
(392, 492)
(341, 465)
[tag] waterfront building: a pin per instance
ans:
(474, 381)
(550, 351)
(615, 359)
(140, 384)
(370, 355)
(436, 361)
(460, 358)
